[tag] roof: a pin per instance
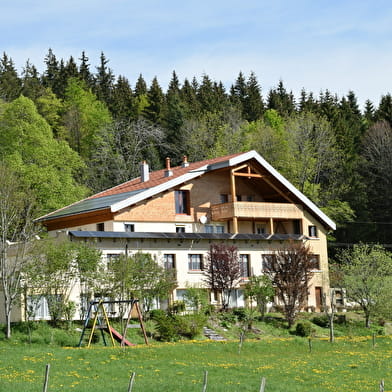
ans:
(134, 191)
(184, 236)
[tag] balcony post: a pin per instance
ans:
(233, 199)
(271, 226)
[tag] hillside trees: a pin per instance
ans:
(48, 167)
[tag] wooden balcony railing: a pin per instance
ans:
(244, 209)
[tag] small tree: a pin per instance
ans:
(222, 271)
(290, 272)
(260, 289)
(17, 233)
(366, 276)
(140, 276)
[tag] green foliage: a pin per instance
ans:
(260, 289)
(321, 321)
(47, 166)
(366, 275)
(303, 328)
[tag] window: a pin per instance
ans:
(315, 262)
(195, 262)
(297, 226)
(180, 229)
(266, 261)
(214, 228)
(100, 226)
(312, 231)
(224, 198)
(37, 308)
(129, 227)
(169, 261)
(239, 197)
(249, 198)
(111, 259)
(260, 228)
(244, 266)
(182, 202)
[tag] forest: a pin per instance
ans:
(75, 129)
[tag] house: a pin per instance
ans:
(177, 212)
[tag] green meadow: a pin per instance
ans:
(288, 364)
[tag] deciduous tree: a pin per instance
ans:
(290, 270)
(222, 270)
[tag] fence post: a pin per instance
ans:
(262, 385)
(131, 379)
(382, 386)
(46, 377)
(205, 381)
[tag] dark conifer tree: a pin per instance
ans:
(122, 100)
(280, 100)
(239, 92)
(140, 87)
(153, 112)
(205, 95)
(188, 96)
(50, 77)
(84, 70)
(31, 83)
(369, 112)
(253, 107)
(104, 79)
(10, 84)
(384, 111)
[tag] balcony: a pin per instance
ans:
(255, 210)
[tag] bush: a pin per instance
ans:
(191, 325)
(156, 313)
(303, 328)
(240, 313)
(321, 321)
(167, 328)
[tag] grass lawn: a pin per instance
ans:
(350, 364)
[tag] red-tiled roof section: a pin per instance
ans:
(158, 177)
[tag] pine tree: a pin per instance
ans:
(384, 111)
(369, 112)
(51, 74)
(84, 70)
(10, 84)
(31, 83)
(205, 95)
(253, 106)
(280, 100)
(154, 110)
(122, 100)
(189, 99)
(104, 79)
(140, 101)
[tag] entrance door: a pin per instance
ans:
(319, 298)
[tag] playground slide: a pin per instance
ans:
(119, 337)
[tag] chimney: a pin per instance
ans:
(185, 162)
(144, 172)
(168, 171)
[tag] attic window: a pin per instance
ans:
(129, 227)
(182, 202)
(313, 231)
(100, 226)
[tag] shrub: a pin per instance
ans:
(303, 328)
(167, 328)
(321, 321)
(240, 313)
(156, 313)
(191, 325)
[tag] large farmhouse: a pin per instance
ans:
(176, 213)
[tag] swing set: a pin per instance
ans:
(100, 321)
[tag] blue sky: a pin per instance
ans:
(316, 45)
